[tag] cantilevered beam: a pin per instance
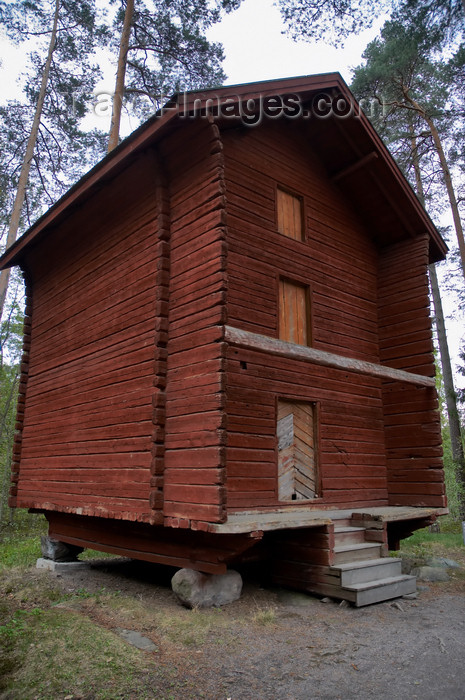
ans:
(355, 166)
(255, 341)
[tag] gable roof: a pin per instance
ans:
(342, 136)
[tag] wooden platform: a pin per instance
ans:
(291, 518)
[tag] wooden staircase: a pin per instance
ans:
(359, 573)
(345, 560)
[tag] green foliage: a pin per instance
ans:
(444, 17)
(20, 544)
(63, 151)
(410, 87)
(454, 490)
(335, 20)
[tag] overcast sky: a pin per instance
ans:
(256, 48)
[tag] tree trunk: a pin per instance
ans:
(26, 166)
(445, 171)
(447, 376)
(451, 396)
(8, 441)
(120, 75)
(450, 190)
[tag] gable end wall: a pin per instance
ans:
(411, 416)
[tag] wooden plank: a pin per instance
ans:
(279, 347)
(289, 214)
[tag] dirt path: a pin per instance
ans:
(276, 645)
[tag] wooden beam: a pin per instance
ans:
(355, 166)
(254, 341)
(377, 180)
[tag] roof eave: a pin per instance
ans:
(182, 104)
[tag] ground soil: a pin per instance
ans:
(273, 644)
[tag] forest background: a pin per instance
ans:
(76, 77)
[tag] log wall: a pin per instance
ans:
(411, 416)
(338, 262)
(133, 406)
(195, 422)
(88, 419)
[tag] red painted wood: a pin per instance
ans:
(134, 403)
(413, 433)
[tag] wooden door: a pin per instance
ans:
(297, 464)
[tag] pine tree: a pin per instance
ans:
(335, 20)
(402, 75)
(43, 131)
(162, 49)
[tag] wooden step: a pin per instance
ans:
(384, 589)
(367, 570)
(356, 552)
(343, 522)
(348, 535)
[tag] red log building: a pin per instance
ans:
(228, 345)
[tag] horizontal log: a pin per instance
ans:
(242, 469)
(209, 494)
(193, 439)
(74, 489)
(418, 499)
(194, 476)
(198, 511)
(430, 488)
(202, 458)
(83, 475)
(251, 484)
(274, 346)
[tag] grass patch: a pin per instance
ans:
(20, 544)
(447, 542)
(89, 554)
(28, 591)
(265, 616)
(190, 627)
(55, 644)
(53, 653)
(20, 540)
(19, 550)
(187, 628)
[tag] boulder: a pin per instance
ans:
(59, 551)
(443, 562)
(197, 590)
(430, 573)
